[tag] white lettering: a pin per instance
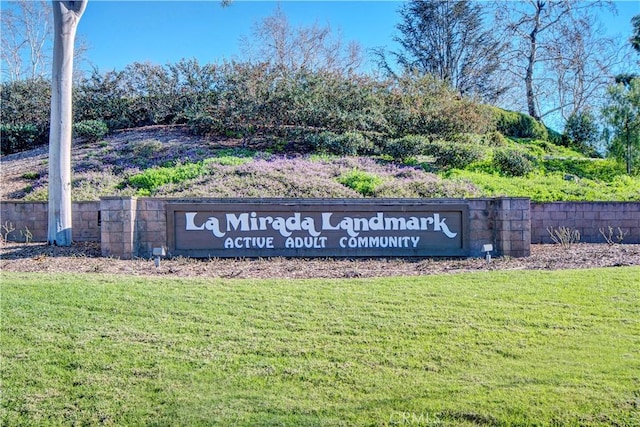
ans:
(212, 224)
(249, 243)
(439, 225)
(189, 217)
(352, 226)
(241, 221)
(379, 242)
(305, 243)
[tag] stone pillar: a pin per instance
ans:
(512, 227)
(118, 229)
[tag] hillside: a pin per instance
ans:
(169, 161)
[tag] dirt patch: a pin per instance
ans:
(86, 258)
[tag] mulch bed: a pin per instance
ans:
(86, 258)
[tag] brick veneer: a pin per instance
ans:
(503, 222)
(586, 217)
(33, 216)
(131, 227)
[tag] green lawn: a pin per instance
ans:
(512, 348)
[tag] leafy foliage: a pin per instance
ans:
(596, 169)
(518, 125)
(452, 155)
(24, 114)
(582, 133)
(14, 138)
(151, 179)
(348, 143)
(91, 130)
(622, 115)
(512, 162)
(406, 147)
(360, 181)
(551, 187)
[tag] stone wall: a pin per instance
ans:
(586, 217)
(131, 227)
(502, 222)
(492, 221)
(31, 217)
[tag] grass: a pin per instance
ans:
(550, 187)
(517, 348)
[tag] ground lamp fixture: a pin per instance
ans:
(157, 254)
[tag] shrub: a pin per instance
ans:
(91, 130)
(426, 105)
(518, 125)
(495, 139)
(406, 147)
(346, 144)
(512, 162)
(27, 103)
(456, 156)
(465, 138)
(360, 181)
(31, 175)
(14, 138)
(204, 124)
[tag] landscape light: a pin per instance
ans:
(487, 251)
(157, 254)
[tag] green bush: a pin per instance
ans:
(27, 103)
(512, 162)
(455, 156)
(346, 144)
(426, 105)
(14, 138)
(360, 181)
(204, 124)
(406, 147)
(91, 130)
(518, 125)
(466, 138)
(495, 139)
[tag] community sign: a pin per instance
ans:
(317, 229)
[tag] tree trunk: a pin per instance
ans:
(531, 62)
(66, 15)
(629, 156)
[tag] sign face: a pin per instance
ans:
(317, 229)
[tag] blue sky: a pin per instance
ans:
(161, 32)
(122, 32)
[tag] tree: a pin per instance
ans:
(622, 116)
(316, 48)
(27, 31)
(26, 34)
(635, 38)
(558, 54)
(447, 40)
(581, 130)
(66, 16)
